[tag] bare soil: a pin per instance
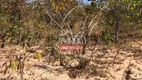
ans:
(107, 63)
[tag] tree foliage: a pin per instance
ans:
(45, 22)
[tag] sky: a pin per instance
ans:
(86, 1)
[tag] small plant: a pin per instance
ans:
(107, 37)
(17, 62)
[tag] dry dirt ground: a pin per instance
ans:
(108, 63)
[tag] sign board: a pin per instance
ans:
(71, 47)
(71, 44)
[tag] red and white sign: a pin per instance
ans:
(71, 47)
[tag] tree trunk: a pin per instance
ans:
(116, 29)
